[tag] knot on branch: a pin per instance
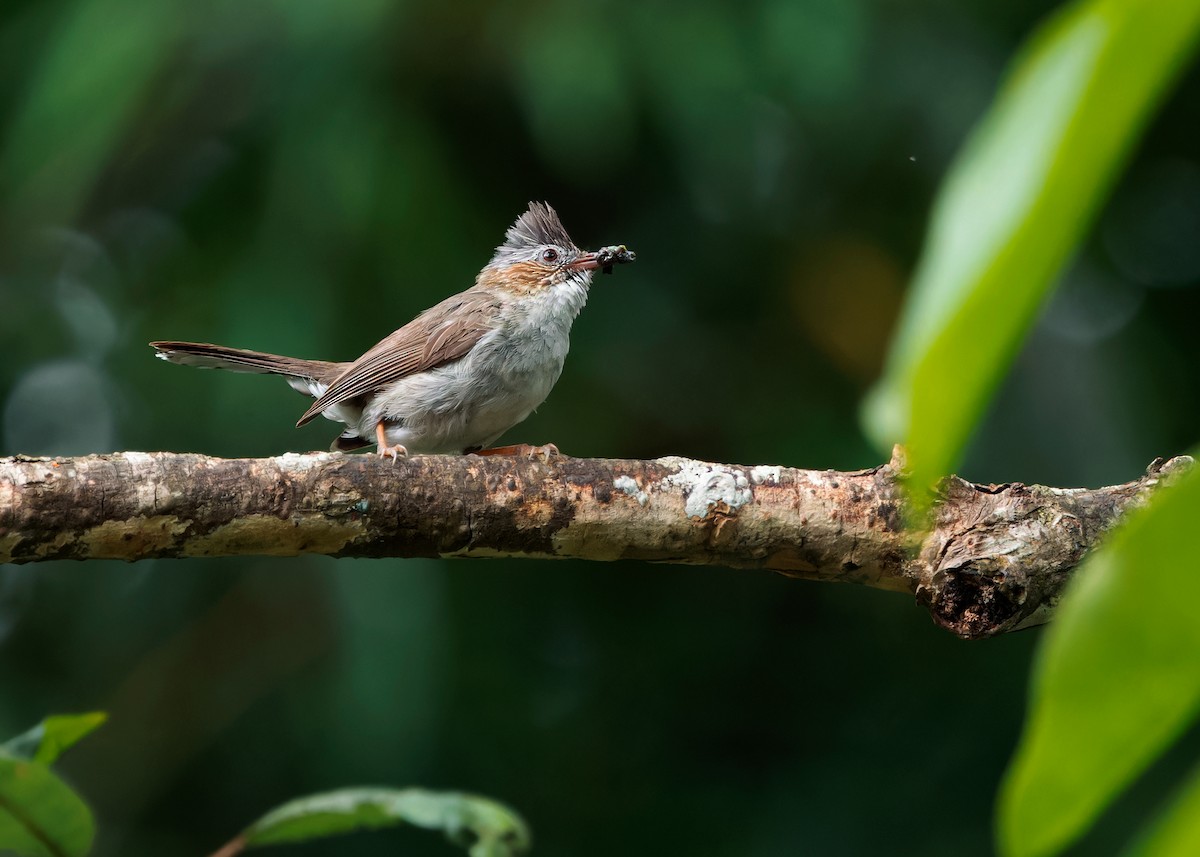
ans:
(999, 556)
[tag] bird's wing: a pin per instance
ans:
(440, 335)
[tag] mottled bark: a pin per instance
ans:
(995, 559)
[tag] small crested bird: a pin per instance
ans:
(461, 373)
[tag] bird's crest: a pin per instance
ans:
(539, 225)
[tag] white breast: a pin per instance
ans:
(473, 401)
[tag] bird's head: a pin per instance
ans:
(537, 254)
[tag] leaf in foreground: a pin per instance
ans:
(40, 815)
(1178, 830)
(1117, 678)
(1013, 209)
(486, 827)
(53, 736)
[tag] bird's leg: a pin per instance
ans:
(386, 450)
(544, 452)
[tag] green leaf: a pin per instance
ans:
(53, 736)
(1117, 678)
(1177, 831)
(1013, 209)
(488, 828)
(40, 815)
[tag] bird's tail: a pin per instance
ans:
(206, 356)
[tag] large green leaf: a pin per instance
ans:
(40, 815)
(1013, 209)
(53, 736)
(488, 828)
(1117, 678)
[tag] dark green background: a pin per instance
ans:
(304, 177)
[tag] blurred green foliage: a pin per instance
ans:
(1013, 210)
(40, 815)
(1116, 681)
(56, 734)
(1177, 831)
(482, 826)
(304, 177)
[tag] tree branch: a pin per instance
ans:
(996, 558)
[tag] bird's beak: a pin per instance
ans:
(604, 258)
(586, 262)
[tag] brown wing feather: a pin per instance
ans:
(438, 336)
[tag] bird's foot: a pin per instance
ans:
(388, 450)
(544, 452)
(392, 451)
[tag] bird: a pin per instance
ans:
(461, 373)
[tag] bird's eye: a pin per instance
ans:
(549, 255)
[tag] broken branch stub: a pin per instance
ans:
(999, 556)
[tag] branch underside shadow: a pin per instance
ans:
(995, 559)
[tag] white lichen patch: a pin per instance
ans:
(705, 485)
(765, 474)
(628, 485)
(301, 462)
(146, 487)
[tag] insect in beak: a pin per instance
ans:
(604, 258)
